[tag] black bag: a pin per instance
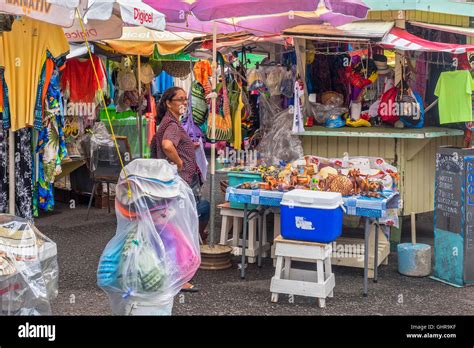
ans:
(196, 185)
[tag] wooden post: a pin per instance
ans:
(213, 134)
(400, 22)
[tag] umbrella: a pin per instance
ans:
(40, 10)
(132, 12)
(263, 25)
(225, 14)
(208, 10)
(142, 41)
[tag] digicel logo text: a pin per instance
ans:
(142, 16)
(80, 35)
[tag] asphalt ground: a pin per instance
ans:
(80, 244)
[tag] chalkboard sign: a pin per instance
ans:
(448, 195)
(454, 209)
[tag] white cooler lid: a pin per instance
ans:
(312, 199)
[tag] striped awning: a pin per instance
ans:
(400, 39)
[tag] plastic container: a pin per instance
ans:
(311, 216)
(237, 178)
(114, 115)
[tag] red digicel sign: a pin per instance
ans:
(142, 16)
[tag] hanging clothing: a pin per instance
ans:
(51, 146)
(3, 169)
(151, 119)
(185, 83)
(6, 110)
(421, 74)
(1, 90)
(237, 138)
(161, 83)
(78, 80)
(23, 173)
(24, 50)
(38, 120)
(202, 73)
(454, 90)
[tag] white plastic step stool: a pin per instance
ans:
(319, 284)
(232, 220)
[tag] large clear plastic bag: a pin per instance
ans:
(273, 80)
(102, 146)
(28, 268)
(155, 250)
(322, 112)
(278, 143)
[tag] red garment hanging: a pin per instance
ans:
(79, 79)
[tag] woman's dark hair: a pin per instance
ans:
(169, 94)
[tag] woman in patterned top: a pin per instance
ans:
(172, 143)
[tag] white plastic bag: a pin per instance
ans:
(28, 268)
(155, 250)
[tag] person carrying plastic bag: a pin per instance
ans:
(155, 250)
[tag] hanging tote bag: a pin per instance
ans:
(223, 117)
(387, 106)
(196, 136)
(411, 111)
(200, 110)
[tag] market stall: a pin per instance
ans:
(371, 209)
(385, 52)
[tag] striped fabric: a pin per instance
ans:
(402, 40)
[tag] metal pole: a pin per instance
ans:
(11, 172)
(213, 134)
(139, 116)
(376, 251)
(366, 254)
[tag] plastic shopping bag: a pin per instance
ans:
(155, 250)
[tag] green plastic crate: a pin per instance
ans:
(114, 115)
(237, 178)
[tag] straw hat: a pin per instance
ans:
(127, 80)
(177, 68)
(147, 74)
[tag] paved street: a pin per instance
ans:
(81, 242)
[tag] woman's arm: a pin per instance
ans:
(170, 151)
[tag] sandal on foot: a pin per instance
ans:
(192, 288)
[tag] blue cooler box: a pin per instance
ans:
(311, 216)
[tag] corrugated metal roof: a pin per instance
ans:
(447, 28)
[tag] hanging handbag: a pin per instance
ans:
(189, 126)
(409, 107)
(196, 136)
